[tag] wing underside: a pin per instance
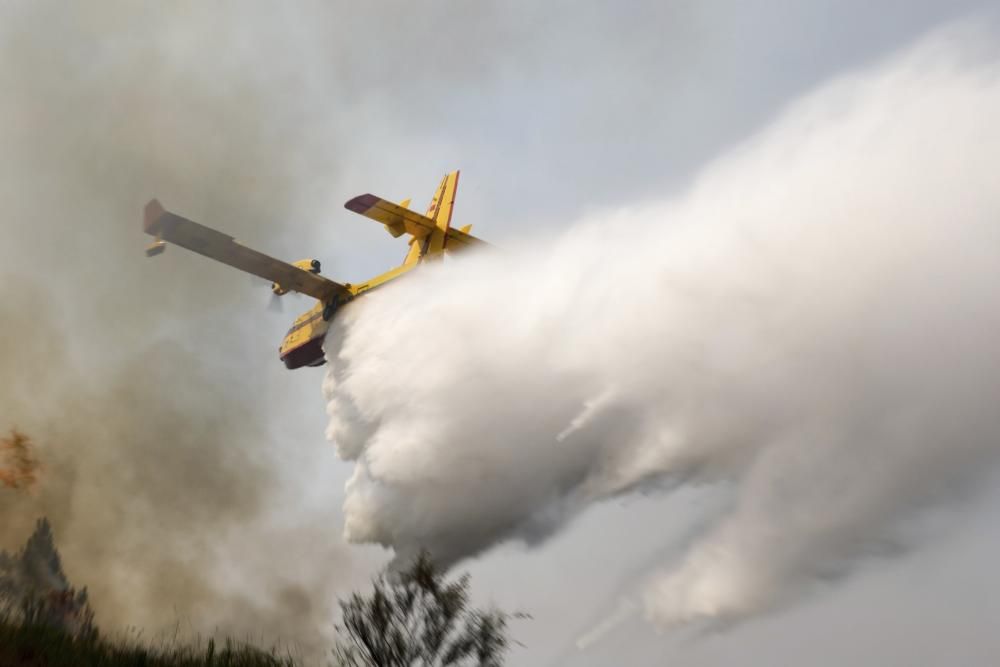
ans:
(224, 248)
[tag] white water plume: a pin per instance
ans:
(814, 324)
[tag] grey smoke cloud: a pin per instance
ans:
(160, 491)
(147, 386)
(810, 325)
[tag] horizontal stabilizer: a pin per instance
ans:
(391, 215)
(396, 217)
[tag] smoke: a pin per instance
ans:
(149, 387)
(163, 496)
(812, 327)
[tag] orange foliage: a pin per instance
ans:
(18, 466)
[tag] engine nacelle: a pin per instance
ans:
(310, 265)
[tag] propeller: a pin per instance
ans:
(275, 304)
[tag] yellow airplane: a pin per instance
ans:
(431, 236)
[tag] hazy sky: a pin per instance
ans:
(261, 119)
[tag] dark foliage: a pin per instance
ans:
(32, 645)
(34, 589)
(417, 619)
(45, 622)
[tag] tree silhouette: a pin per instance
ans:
(417, 619)
(34, 588)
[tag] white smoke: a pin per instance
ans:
(814, 323)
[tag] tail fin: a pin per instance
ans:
(432, 245)
(444, 201)
(440, 212)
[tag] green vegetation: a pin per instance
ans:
(412, 619)
(45, 622)
(38, 645)
(417, 619)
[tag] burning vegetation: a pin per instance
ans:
(18, 465)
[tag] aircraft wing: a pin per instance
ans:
(399, 219)
(224, 248)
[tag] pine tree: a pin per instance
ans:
(34, 588)
(417, 619)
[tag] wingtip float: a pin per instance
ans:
(431, 237)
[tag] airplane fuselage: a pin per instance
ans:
(303, 344)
